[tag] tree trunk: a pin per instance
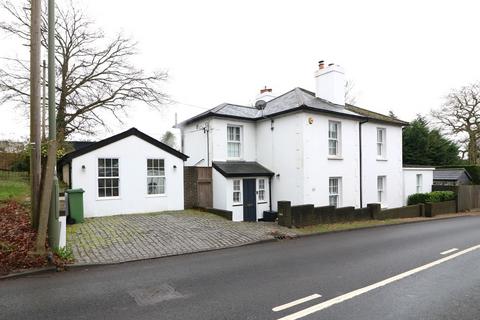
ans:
(472, 149)
(45, 200)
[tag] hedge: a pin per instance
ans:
(432, 197)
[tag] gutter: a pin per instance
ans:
(360, 159)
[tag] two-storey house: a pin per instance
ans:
(301, 146)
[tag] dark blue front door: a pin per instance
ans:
(249, 200)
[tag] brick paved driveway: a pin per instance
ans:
(134, 237)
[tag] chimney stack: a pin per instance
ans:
(266, 95)
(330, 83)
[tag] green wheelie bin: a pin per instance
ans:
(75, 204)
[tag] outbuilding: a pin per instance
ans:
(451, 177)
(416, 179)
(130, 172)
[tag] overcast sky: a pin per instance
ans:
(403, 56)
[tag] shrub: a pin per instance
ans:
(435, 196)
(439, 196)
(416, 198)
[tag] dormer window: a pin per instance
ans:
(234, 142)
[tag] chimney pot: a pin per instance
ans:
(321, 64)
(265, 90)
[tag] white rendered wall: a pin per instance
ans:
(195, 144)
(219, 190)
(281, 151)
(132, 153)
(391, 166)
(218, 139)
(410, 181)
(319, 166)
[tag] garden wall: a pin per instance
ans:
(308, 215)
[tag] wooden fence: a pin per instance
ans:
(468, 197)
(198, 187)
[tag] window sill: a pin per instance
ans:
(262, 202)
(108, 198)
(382, 159)
(335, 158)
(156, 195)
(237, 205)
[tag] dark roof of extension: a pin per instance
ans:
(241, 169)
(450, 174)
(130, 132)
(294, 100)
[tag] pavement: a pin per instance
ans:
(411, 271)
(134, 237)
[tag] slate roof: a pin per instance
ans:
(241, 169)
(291, 101)
(375, 115)
(130, 132)
(77, 145)
(449, 174)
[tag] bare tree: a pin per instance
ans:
(169, 139)
(460, 117)
(94, 74)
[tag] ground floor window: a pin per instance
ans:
(334, 191)
(381, 186)
(237, 191)
(155, 176)
(261, 189)
(419, 183)
(108, 178)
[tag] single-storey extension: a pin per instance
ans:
(130, 172)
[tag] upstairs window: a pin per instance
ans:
(108, 178)
(261, 190)
(334, 132)
(381, 186)
(234, 142)
(237, 191)
(334, 191)
(419, 183)
(155, 176)
(381, 142)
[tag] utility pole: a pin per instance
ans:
(44, 101)
(35, 134)
(52, 108)
(49, 199)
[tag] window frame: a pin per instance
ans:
(239, 191)
(337, 139)
(382, 143)
(239, 142)
(262, 199)
(382, 193)
(164, 176)
(111, 177)
(338, 194)
(419, 183)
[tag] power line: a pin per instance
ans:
(191, 105)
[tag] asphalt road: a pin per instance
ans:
(248, 282)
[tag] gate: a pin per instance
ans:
(198, 187)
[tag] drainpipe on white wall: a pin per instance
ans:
(360, 159)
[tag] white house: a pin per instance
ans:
(302, 146)
(417, 179)
(130, 172)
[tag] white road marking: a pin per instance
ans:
(294, 303)
(353, 294)
(448, 251)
